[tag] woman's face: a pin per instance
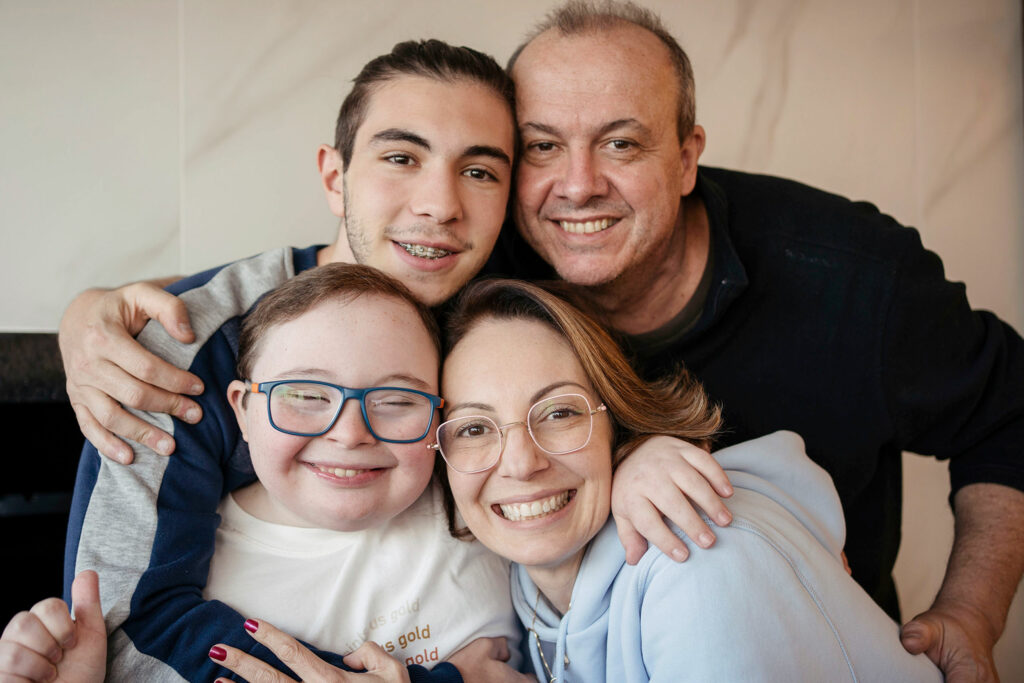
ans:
(344, 479)
(499, 370)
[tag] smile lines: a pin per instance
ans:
(518, 512)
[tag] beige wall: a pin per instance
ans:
(147, 138)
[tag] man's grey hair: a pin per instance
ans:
(579, 16)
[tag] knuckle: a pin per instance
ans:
(133, 395)
(146, 369)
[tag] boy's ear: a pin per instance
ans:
(332, 171)
(237, 391)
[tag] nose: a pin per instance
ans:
(437, 195)
(521, 458)
(581, 178)
(350, 430)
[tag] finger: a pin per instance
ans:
(649, 523)
(108, 445)
(294, 654)
(54, 616)
(371, 657)
(710, 469)
(27, 631)
(140, 380)
(19, 663)
(919, 635)
(85, 598)
(691, 490)
(165, 307)
(110, 415)
(634, 542)
(245, 665)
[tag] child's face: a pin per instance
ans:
(344, 479)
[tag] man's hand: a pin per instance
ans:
(958, 641)
(44, 644)
(106, 367)
(380, 666)
(665, 477)
(985, 567)
(485, 660)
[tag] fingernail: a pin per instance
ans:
(122, 456)
(679, 555)
(69, 643)
(184, 328)
(724, 519)
(192, 415)
(196, 389)
(163, 447)
(727, 489)
(218, 653)
(251, 625)
(706, 540)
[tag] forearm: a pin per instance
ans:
(987, 560)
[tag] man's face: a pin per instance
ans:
(603, 170)
(426, 189)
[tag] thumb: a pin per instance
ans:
(634, 543)
(369, 656)
(85, 596)
(918, 635)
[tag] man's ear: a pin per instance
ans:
(237, 391)
(332, 172)
(689, 152)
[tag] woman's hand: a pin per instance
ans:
(484, 660)
(378, 664)
(106, 367)
(668, 477)
(45, 644)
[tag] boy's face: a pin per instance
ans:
(344, 479)
(425, 193)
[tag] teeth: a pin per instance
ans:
(587, 227)
(518, 512)
(339, 472)
(422, 251)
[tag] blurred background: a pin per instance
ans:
(152, 138)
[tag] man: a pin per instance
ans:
(797, 309)
(420, 173)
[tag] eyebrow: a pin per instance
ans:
(603, 130)
(537, 395)
(318, 373)
(400, 135)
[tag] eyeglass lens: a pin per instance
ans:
(560, 424)
(310, 408)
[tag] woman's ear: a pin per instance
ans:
(237, 392)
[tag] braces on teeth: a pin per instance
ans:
(424, 252)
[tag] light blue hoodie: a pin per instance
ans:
(770, 601)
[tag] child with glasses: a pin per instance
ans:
(540, 406)
(340, 541)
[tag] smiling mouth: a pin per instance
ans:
(586, 227)
(521, 512)
(339, 472)
(421, 251)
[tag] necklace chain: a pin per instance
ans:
(536, 639)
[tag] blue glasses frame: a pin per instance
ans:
(346, 394)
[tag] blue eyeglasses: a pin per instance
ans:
(310, 408)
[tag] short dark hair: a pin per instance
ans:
(345, 281)
(579, 16)
(428, 58)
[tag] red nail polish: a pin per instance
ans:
(251, 625)
(218, 653)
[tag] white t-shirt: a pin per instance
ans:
(406, 585)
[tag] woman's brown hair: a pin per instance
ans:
(675, 405)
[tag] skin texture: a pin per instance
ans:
(431, 182)
(369, 341)
(597, 116)
(535, 363)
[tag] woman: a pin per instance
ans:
(540, 406)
